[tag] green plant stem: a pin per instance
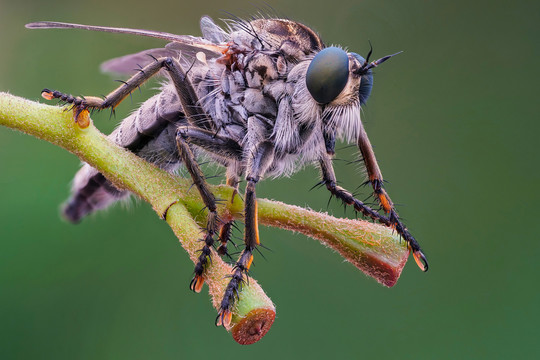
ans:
(372, 248)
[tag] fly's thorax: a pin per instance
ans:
(258, 103)
(261, 69)
(264, 77)
(293, 39)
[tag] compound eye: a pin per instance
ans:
(328, 74)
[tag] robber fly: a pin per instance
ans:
(261, 98)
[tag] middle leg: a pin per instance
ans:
(226, 230)
(229, 152)
(209, 201)
(260, 158)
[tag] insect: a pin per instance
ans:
(261, 98)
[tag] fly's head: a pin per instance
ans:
(336, 78)
(340, 83)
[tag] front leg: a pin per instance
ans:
(329, 179)
(376, 179)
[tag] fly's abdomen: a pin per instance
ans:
(150, 133)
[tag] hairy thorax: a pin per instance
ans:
(259, 82)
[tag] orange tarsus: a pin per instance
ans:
(47, 95)
(197, 283)
(419, 257)
(385, 203)
(82, 118)
(248, 265)
(257, 223)
(224, 318)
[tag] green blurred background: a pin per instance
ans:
(454, 121)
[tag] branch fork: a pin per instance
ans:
(372, 248)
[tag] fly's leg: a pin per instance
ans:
(251, 240)
(329, 179)
(196, 116)
(376, 180)
(184, 88)
(226, 229)
(226, 149)
(261, 157)
(201, 132)
(209, 201)
(230, 153)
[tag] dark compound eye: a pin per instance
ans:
(365, 87)
(328, 74)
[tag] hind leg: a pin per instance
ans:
(193, 111)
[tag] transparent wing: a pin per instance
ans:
(213, 32)
(132, 63)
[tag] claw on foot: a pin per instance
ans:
(47, 94)
(197, 283)
(421, 260)
(224, 318)
(82, 117)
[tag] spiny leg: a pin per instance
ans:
(329, 179)
(251, 240)
(201, 126)
(262, 155)
(184, 88)
(209, 201)
(230, 153)
(226, 149)
(376, 179)
(196, 116)
(226, 229)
